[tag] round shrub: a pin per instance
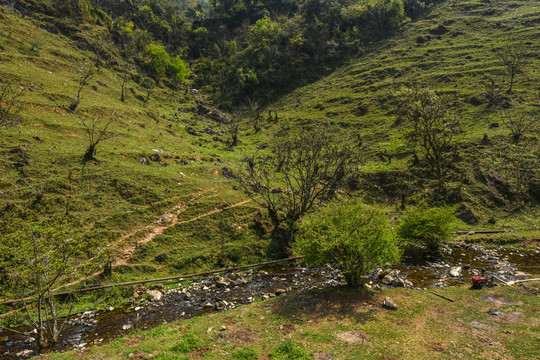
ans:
(429, 228)
(350, 236)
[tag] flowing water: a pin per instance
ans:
(231, 290)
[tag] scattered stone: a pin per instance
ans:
(389, 304)
(155, 157)
(154, 295)
(494, 312)
(223, 282)
(455, 271)
(165, 219)
(159, 287)
(209, 330)
(222, 328)
(24, 353)
(126, 327)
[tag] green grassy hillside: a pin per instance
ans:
(451, 51)
(120, 199)
(115, 197)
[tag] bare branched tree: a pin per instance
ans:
(37, 260)
(85, 73)
(514, 58)
(96, 130)
(148, 84)
(301, 171)
(125, 75)
(9, 109)
(519, 167)
(520, 124)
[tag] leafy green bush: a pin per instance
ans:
(350, 236)
(245, 354)
(290, 351)
(427, 227)
(187, 344)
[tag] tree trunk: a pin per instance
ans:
(89, 154)
(123, 98)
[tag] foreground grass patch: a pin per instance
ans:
(350, 324)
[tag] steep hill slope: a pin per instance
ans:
(451, 51)
(185, 140)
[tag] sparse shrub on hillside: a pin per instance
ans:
(493, 94)
(429, 124)
(85, 73)
(429, 228)
(148, 85)
(516, 166)
(302, 169)
(37, 258)
(96, 130)
(350, 236)
(35, 44)
(514, 58)
(520, 123)
(9, 111)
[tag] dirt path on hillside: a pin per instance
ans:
(127, 251)
(125, 255)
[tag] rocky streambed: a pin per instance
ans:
(154, 306)
(149, 307)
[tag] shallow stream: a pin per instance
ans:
(225, 292)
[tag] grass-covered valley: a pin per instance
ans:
(232, 134)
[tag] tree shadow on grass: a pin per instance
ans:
(337, 302)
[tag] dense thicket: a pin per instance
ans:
(242, 51)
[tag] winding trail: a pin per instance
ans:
(125, 255)
(127, 252)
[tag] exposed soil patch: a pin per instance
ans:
(134, 340)
(479, 325)
(498, 300)
(512, 317)
(239, 337)
(436, 347)
(353, 337)
(320, 355)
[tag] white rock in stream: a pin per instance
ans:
(154, 295)
(455, 271)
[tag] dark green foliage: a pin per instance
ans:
(261, 61)
(187, 344)
(290, 350)
(429, 228)
(351, 237)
